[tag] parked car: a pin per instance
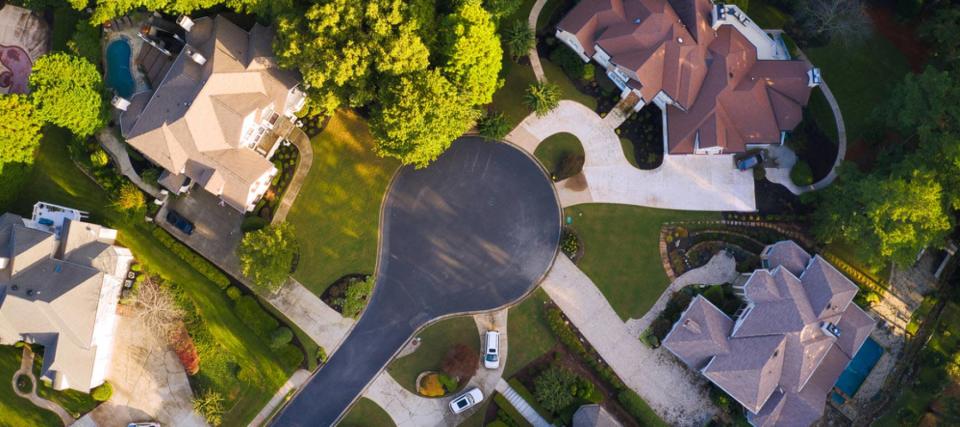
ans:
(491, 357)
(144, 424)
(750, 161)
(180, 222)
(466, 401)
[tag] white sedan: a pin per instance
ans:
(466, 401)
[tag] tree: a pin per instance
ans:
(471, 53)
(19, 130)
(493, 126)
(156, 309)
(461, 361)
(542, 97)
(941, 31)
(924, 104)
(66, 92)
(356, 296)
(266, 256)
(85, 42)
(519, 39)
(842, 20)
(419, 117)
(130, 198)
(210, 405)
(552, 388)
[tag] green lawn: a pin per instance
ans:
(629, 152)
(509, 98)
(16, 411)
(621, 252)
(528, 333)
(556, 76)
(767, 16)
(55, 179)
(366, 413)
(436, 340)
(823, 115)
(552, 150)
(75, 402)
(339, 204)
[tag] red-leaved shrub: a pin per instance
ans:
(186, 351)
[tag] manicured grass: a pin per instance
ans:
(75, 402)
(621, 252)
(436, 340)
(528, 333)
(56, 179)
(476, 420)
(338, 210)
(16, 411)
(552, 150)
(823, 115)
(568, 90)
(766, 16)
(629, 152)
(366, 413)
(64, 25)
(509, 98)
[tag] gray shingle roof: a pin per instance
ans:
(787, 254)
(750, 371)
(701, 334)
(828, 290)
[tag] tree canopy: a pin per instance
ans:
(66, 92)
(266, 255)
(19, 130)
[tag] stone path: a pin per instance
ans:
(721, 268)
(118, 152)
(26, 368)
(324, 325)
(409, 409)
(686, 182)
(521, 405)
(294, 382)
(300, 139)
(676, 393)
(533, 55)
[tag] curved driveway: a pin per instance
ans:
(475, 231)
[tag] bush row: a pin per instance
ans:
(569, 338)
(638, 408)
(507, 414)
(191, 258)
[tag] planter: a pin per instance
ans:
(24, 384)
(431, 384)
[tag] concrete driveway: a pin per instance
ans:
(691, 182)
(473, 232)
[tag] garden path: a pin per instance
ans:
(294, 382)
(26, 368)
(118, 152)
(721, 268)
(408, 409)
(534, 56)
(673, 391)
(521, 405)
(299, 139)
(709, 183)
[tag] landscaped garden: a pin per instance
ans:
(621, 251)
(16, 411)
(561, 155)
(340, 203)
(366, 413)
(447, 355)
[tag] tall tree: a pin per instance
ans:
(841, 20)
(471, 53)
(66, 92)
(19, 130)
(924, 104)
(266, 256)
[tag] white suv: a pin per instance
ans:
(491, 356)
(466, 401)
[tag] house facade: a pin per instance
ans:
(723, 84)
(220, 108)
(782, 354)
(60, 282)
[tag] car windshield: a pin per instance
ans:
(462, 403)
(491, 358)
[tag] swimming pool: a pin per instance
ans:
(857, 371)
(119, 76)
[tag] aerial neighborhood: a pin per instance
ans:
(495, 213)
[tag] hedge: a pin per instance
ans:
(251, 314)
(196, 261)
(571, 340)
(102, 392)
(511, 412)
(638, 409)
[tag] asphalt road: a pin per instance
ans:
(474, 231)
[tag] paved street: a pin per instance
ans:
(474, 231)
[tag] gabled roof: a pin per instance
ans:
(787, 254)
(700, 334)
(750, 371)
(828, 290)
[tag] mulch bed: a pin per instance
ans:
(338, 289)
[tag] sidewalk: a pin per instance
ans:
(323, 324)
(294, 382)
(673, 391)
(118, 152)
(26, 365)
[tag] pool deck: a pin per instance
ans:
(892, 344)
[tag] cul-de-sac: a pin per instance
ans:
(479, 213)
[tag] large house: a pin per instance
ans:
(216, 115)
(60, 281)
(723, 84)
(783, 354)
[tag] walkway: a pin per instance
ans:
(534, 56)
(686, 182)
(118, 152)
(280, 397)
(521, 405)
(722, 268)
(322, 324)
(26, 368)
(676, 393)
(299, 139)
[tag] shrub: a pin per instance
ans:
(355, 299)
(151, 176)
(210, 405)
(542, 97)
(253, 223)
(510, 416)
(570, 165)
(186, 351)
(254, 316)
(569, 338)
(589, 72)
(801, 174)
(638, 408)
(280, 337)
(234, 293)
(289, 355)
(449, 383)
(99, 158)
(321, 355)
(569, 243)
(430, 386)
(569, 61)
(553, 387)
(461, 362)
(191, 258)
(131, 198)
(519, 39)
(493, 126)
(102, 392)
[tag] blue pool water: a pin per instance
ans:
(119, 76)
(858, 369)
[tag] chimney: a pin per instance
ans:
(185, 22)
